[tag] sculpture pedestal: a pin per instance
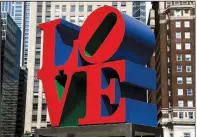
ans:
(107, 130)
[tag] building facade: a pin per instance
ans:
(151, 64)
(0, 56)
(8, 7)
(19, 17)
(174, 63)
(10, 67)
(20, 12)
(26, 34)
(75, 12)
(139, 11)
(21, 102)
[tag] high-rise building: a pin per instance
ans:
(10, 67)
(174, 63)
(0, 53)
(8, 7)
(139, 10)
(151, 64)
(21, 102)
(19, 17)
(26, 34)
(74, 12)
(20, 12)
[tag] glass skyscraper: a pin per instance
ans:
(20, 12)
(139, 11)
(10, 67)
(7, 6)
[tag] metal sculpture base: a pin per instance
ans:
(108, 130)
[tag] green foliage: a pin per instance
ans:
(26, 134)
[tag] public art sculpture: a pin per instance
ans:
(96, 74)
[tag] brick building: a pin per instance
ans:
(174, 61)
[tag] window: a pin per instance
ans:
(38, 40)
(189, 92)
(167, 26)
(190, 103)
(168, 70)
(178, 46)
(123, 3)
(37, 61)
(43, 106)
(187, 40)
(190, 115)
(63, 8)
(187, 46)
(180, 92)
(35, 96)
(57, 16)
(169, 81)
(64, 17)
(34, 117)
(123, 10)
(180, 103)
(178, 35)
(89, 8)
(188, 68)
(37, 52)
(47, 18)
(81, 8)
(57, 8)
(187, 35)
(191, 2)
(179, 57)
(186, 12)
(48, 8)
(39, 19)
(72, 8)
(178, 24)
(168, 48)
(179, 68)
(33, 129)
(179, 80)
(167, 37)
(39, 8)
(35, 106)
(81, 18)
(188, 57)
(177, 13)
(185, 2)
(189, 80)
(72, 19)
(43, 118)
(168, 2)
(114, 4)
(187, 135)
(186, 24)
(176, 3)
(181, 115)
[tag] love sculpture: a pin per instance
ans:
(96, 74)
